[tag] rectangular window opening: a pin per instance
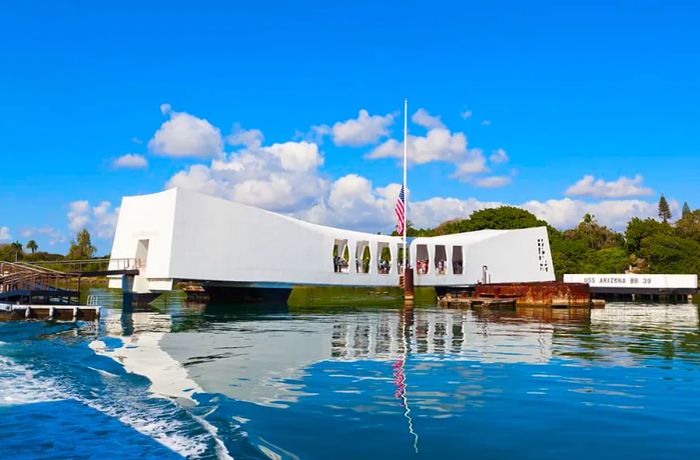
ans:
(457, 260)
(341, 256)
(440, 259)
(363, 257)
(422, 259)
(384, 261)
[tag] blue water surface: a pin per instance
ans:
(183, 380)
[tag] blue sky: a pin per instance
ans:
(521, 102)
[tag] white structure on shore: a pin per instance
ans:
(183, 235)
(636, 282)
(639, 286)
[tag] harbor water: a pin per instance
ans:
(346, 382)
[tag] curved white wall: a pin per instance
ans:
(198, 237)
(509, 256)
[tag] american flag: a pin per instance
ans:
(400, 211)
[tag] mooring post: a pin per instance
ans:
(408, 285)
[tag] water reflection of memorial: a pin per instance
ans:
(441, 334)
(264, 357)
(257, 357)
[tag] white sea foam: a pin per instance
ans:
(221, 451)
(168, 379)
(18, 385)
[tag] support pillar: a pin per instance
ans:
(131, 298)
(127, 291)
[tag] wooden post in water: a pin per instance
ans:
(408, 285)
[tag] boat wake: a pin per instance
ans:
(53, 373)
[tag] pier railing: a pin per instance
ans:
(57, 280)
(19, 277)
(89, 267)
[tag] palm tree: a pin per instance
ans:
(17, 249)
(32, 246)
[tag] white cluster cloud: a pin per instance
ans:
(54, 235)
(499, 156)
(565, 212)
(186, 135)
(130, 160)
(438, 144)
(466, 113)
(433, 211)
(493, 181)
(441, 144)
(280, 177)
(354, 202)
(286, 176)
(561, 213)
(363, 130)
(78, 214)
(422, 118)
(247, 137)
(100, 219)
(622, 187)
(5, 233)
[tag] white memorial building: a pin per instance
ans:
(183, 235)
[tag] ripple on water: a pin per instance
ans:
(67, 374)
(390, 383)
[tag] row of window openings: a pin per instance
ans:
(363, 258)
(541, 253)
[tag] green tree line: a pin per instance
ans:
(81, 248)
(645, 246)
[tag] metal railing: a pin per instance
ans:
(61, 277)
(20, 276)
(88, 265)
(93, 300)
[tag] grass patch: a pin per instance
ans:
(328, 296)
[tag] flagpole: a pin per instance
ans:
(405, 190)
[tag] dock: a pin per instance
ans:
(9, 312)
(669, 288)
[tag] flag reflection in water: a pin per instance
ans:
(400, 374)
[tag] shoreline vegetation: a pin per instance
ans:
(645, 246)
(356, 296)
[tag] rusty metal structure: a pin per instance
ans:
(531, 294)
(545, 294)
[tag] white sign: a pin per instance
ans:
(631, 280)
